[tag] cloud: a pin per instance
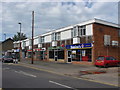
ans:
(53, 15)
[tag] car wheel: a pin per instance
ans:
(106, 65)
(118, 64)
(96, 65)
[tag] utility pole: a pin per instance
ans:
(20, 41)
(32, 36)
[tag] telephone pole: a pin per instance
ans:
(32, 36)
(20, 51)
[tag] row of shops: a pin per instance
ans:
(68, 53)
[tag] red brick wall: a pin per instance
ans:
(98, 37)
(7, 45)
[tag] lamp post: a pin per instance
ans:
(20, 40)
(5, 35)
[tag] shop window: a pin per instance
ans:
(51, 54)
(89, 55)
(76, 56)
(29, 54)
(60, 54)
(81, 55)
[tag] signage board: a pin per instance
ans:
(56, 48)
(79, 46)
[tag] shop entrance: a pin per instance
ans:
(56, 54)
(69, 56)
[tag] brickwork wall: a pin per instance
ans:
(98, 37)
(7, 45)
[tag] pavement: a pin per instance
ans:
(107, 76)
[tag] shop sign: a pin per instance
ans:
(41, 49)
(29, 50)
(55, 48)
(79, 46)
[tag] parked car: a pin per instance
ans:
(7, 59)
(106, 61)
(15, 60)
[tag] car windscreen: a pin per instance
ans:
(100, 58)
(7, 56)
(110, 58)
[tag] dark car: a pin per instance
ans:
(7, 59)
(107, 61)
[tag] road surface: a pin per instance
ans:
(15, 76)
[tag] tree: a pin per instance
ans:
(18, 37)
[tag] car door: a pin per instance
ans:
(114, 61)
(109, 61)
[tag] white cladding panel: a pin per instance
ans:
(66, 34)
(48, 38)
(76, 40)
(54, 43)
(89, 29)
(39, 45)
(36, 41)
(27, 43)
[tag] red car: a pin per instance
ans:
(106, 61)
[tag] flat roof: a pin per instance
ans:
(95, 20)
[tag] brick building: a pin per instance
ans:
(6, 45)
(80, 43)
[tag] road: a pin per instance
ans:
(15, 76)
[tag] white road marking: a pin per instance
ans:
(9, 63)
(60, 84)
(24, 73)
(6, 68)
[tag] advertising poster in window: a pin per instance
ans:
(83, 52)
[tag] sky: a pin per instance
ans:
(51, 15)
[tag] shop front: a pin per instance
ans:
(56, 54)
(29, 53)
(79, 52)
(40, 53)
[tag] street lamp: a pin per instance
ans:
(20, 39)
(5, 35)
